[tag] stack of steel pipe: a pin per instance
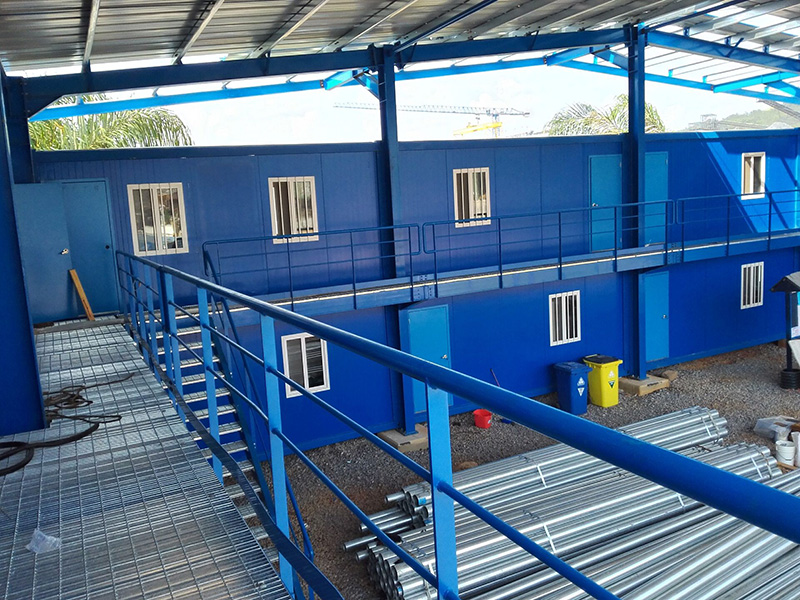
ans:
(561, 498)
(530, 472)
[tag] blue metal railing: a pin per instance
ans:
(436, 250)
(753, 502)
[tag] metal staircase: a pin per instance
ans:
(232, 437)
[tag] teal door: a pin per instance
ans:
(89, 227)
(65, 226)
(656, 301)
(424, 332)
(44, 246)
(605, 194)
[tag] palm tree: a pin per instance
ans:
(585, 119)
(128, 129)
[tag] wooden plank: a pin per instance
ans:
(79, 288)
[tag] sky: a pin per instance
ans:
(311, 116)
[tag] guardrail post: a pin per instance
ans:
(166, 340)
(140, 321)
(769, 225)
(444, 528)
(152, 336)
(208, 368)
(273, 399)
(172, 330)
(132, 299)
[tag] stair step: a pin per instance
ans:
(226, 413)
(228, 433)
(237, 450)
(196, 379)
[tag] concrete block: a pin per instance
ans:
(670, 374)
(406, 443)
(642, 387)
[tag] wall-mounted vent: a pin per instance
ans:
(752, 285)
(565, 318)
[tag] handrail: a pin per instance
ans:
(308, 549)
(740, 497)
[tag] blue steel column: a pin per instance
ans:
(208, 367)
(18, 136)
(152, 334)
(276, 451)
(444, 528)
(636, 174)
(22, 409)
(171, 325)
(391, 212)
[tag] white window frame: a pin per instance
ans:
(477, 208)
(751, 292)
(749, 194)
(561, 317)
(290, 391)
(293, 219)
(159, 233)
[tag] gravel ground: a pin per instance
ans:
(742, 386)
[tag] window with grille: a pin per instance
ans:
(752, 285)
(293, 201)
(158, 222)
(472, 201)
(305, 361)
(565, 318)
(753, 174)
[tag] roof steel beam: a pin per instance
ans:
(341, 78)
(513, 45)
(687, 83)
(565, 55)
(90, 31)
(441, 23)
(757, 11)
(689, 10)
(785, 87)
(616, 59)
(287, 29)
(716, 50)
(181, 52)
(41, 91)
(750, 81)
(371, 23)
(760, 32)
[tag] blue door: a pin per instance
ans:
(656, 301)
(91, 246)
(424, 332)
(46, 256)
(605, 193)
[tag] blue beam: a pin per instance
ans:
(687, 83)
(107, 106)
(371, 83)
(442, 24)
(342, 77)
(558, 58)
(19, 140)
(612, 57)
(760, 80)
(41, 91)
(715, 50)
(512, 45)
(785, 87)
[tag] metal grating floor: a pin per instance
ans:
(138, 509)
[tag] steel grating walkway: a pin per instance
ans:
(138, 509)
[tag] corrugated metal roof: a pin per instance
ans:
(36, 34)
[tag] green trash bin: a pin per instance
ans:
(603, 379)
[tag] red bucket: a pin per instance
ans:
(483, 418)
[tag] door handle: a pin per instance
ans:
(664, 317)
(444, 356)
(64, 251)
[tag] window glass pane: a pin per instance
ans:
(316, 372)
(294, 360)
(138, 220)
(177, 223)
(167, 224)
(149, 220)
(758, 183)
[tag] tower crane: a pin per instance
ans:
(478, 111)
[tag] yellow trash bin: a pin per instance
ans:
(603, 388)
